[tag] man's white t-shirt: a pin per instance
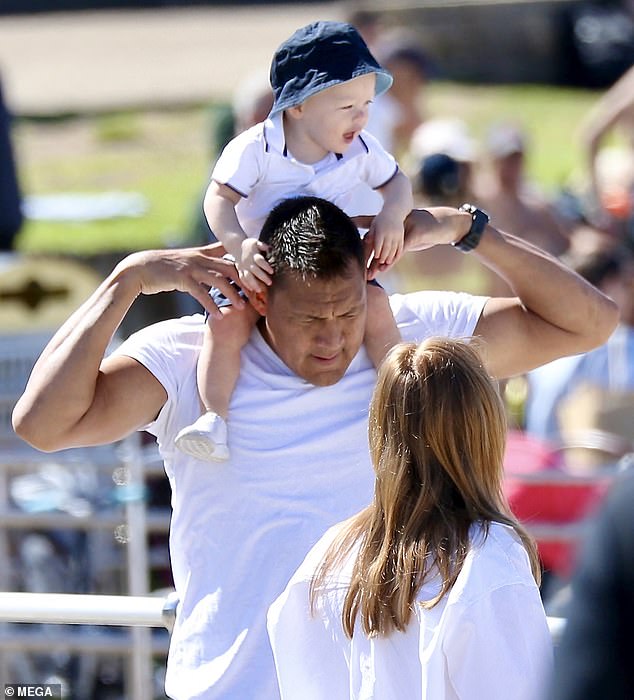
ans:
(299, 464)
(487, 639)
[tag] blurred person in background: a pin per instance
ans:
(11, 217)
(443, 164)
(611, 167)
(508, 196)
(606, 370)
(451, 137)
(443, 181)
(596, 656)
(251, 104)
(369, 23)
(395, 115)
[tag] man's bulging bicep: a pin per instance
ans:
(126, 397)
(516, 340)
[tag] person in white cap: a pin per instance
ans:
(511, 198)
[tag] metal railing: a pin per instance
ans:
(76, 609)
(118, 610)
(126, 611)
(138, 613)
(135, 610)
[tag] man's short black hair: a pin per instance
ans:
(311, 238)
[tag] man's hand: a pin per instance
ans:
(191, 270)
(253, 267)
(77, 396)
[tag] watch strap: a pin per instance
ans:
(479, 220)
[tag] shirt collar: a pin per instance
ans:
(274, 135)
(274, 140)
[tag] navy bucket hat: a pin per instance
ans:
(318, 56)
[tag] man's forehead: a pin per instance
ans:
(352, 271)
(315, 292)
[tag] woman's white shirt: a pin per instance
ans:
(487, 639)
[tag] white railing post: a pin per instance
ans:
(5, 560)
(138, 566)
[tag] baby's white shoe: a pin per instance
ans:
(206, 439)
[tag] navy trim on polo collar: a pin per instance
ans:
(273, 133)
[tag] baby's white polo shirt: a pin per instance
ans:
(257, 165)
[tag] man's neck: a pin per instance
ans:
(264, 331)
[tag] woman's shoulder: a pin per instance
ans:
(497, 555)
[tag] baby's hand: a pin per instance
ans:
(253, 267)
(387, 234)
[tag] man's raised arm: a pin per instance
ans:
(555, 311)
(74, 396)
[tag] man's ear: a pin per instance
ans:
(259, 302)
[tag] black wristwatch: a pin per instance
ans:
(479, 220)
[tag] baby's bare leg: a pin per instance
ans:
(219, 360)
(381, 331)
(217, 373)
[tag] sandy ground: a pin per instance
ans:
(88, 61)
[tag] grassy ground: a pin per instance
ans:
(165, 156)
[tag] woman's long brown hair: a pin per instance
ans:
(437, 433)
